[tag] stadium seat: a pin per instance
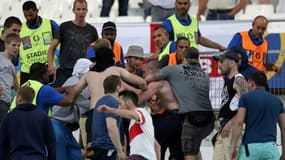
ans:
(251, 11)
(129, 19)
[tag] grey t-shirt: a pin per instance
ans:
(190, 85)
(7, 73)
(74, 41)
(71, 114)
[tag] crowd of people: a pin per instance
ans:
(128, 106)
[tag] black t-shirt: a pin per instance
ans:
(2, 45)
(74, 41)
(227, 95)
(164, 61)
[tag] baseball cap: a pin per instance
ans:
(135, 51)
(228, 55)
(109, 25)
(192, 54)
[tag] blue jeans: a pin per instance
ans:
(107, 5)
(213, 15)
(260, 151)
(67, 147)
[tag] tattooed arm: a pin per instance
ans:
(240, 84)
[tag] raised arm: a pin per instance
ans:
(129, 114)
(51, 50)
(147, 94)
(129, 77)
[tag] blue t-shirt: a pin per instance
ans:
(47, 97)
(236, 40)
(167, 24)
(262, 114)
(100, 136)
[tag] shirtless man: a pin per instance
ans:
(95, 77)
(102, 69)
(161, 88)
(166, 122)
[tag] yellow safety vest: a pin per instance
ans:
(35, 44)
(36, 85)
(190, 32)
(165, 51)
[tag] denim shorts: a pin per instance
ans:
(260, 151)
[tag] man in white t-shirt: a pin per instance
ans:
(141, 130)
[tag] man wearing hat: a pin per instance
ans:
(234, 85)
(134, 57)
(109, 31)
(190, 85)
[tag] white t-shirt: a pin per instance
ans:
(142, 135)
(163, 3)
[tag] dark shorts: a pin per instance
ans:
(136, 157)
(192, 136)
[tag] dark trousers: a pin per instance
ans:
(61, 76)
(215, 15)
(4, 107)
(107, 5)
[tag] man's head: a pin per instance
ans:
(81, 67)
(12, 44)
(112, 84)
(160, 36)
(191, 56)
(39, 72)
(104, 59)
(80, 9)
(134, 56)
(109, 31)
(182, 43)
(149, 67)
(228, 62)
(30, 12)
(259, 26)
(12, 25)
(182, 7)
(242, 56)
(25, 94)
(128, 99)
(257, 79)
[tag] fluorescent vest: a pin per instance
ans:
(172, 59)
(35, 44)
(36, 85)
(190, 32)
(117, 51)
(165, 51)
(256, 53)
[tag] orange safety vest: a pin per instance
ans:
(256, 58)
(172, 59)
(117, 51)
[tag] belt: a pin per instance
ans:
(220, 10)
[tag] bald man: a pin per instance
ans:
(255, 45)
